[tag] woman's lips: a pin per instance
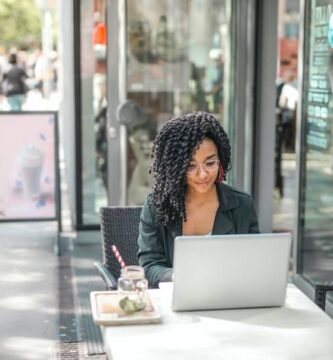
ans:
(205, 183)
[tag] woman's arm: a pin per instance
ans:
(152, 255)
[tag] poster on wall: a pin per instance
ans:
(28, 166)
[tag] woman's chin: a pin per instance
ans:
(203, 187)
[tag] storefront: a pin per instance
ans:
(141, 63)
(138, 63)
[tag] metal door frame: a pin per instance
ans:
(116, 94)
(264, 111)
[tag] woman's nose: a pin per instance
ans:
(202, 171)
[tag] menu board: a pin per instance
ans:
(318, 96)
(28, 166)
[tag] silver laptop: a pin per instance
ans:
(230, 271)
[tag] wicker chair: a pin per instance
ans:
(120, 227)
(321, 289)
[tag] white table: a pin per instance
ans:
(298, 330)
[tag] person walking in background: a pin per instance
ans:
(3, 69)
(41, 72)
(288, 103)
(215, 80)
(13, 84)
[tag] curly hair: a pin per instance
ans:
(172, 151)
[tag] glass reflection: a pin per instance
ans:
(176, 53)
(316, 200)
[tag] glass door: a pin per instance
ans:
(314, 250)
(169, 57)
(166, 58)
(142, 62)
(177, 60)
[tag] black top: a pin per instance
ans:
(235, 215)
(14, 81)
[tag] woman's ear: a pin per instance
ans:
(220, 175)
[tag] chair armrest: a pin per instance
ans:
(107, 276)
(321, 288)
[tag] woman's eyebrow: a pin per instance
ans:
(207, 158)
(211, 156)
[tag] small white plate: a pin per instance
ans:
(106, 310)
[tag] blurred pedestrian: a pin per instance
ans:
(288, 105)
(215, 80)
(3, 69)
(41, 72)
(13, 84)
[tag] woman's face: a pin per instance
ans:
(203, 168)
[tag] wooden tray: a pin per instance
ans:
(106, 310)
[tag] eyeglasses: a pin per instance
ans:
(209, 165)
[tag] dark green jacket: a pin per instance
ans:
(236, 215)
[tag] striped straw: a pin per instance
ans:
(118, 256)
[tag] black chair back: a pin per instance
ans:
(120, 227)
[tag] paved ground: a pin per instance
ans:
(44, 303)
(29, 291)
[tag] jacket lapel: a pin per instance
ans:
(173, 230)
(223, 223)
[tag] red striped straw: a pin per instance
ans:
(118, 256)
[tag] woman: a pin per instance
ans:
(191, 157)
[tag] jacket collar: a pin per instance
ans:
(227, 198)
(223, 223)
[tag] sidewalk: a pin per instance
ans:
(35, 102)
(29, 291)
(44, 306)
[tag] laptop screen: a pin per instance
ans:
(230, 271)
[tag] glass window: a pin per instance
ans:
(93, 108)
(315, 224)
